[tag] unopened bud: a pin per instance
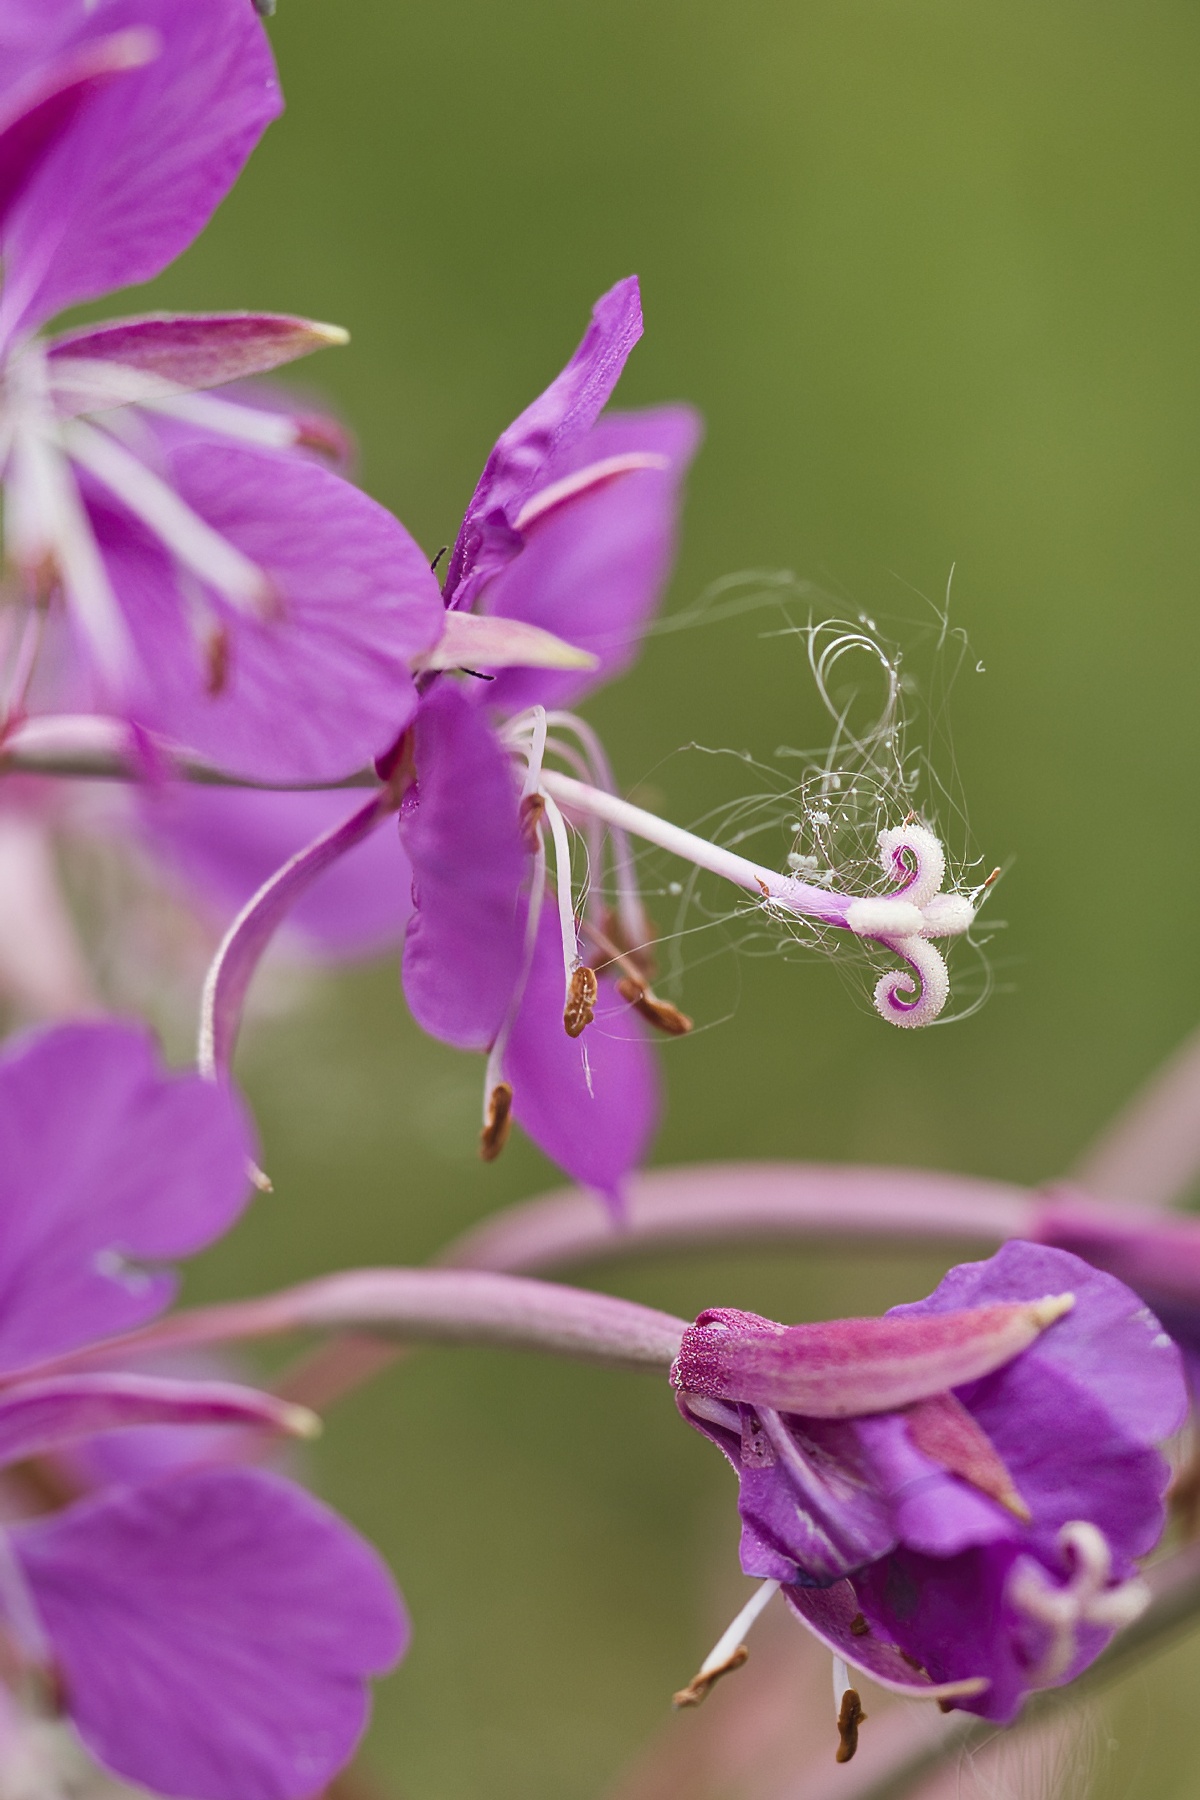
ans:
(498, 1122)
(580, 1009)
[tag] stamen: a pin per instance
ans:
(497, 1122)
(580, 1009)
(659, 1013)
(532, 812)
(566, 905)
(190, 540)
(848, 1705)
(728, 1653)
(636, 929)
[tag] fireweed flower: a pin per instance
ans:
(951, 1497)
(557, 567)
(172, 558)
(209, 1629)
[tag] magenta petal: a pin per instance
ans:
(36, 1416)
(543, 433)
(460, 828)
(214, 1631)
(197, 350)
(593, 571)
(104, 1157)
(36, 115)
(829, 1614)
(226, 842)
(591, 1103)
(310, 695)
(1076, 1418)
(142, 169)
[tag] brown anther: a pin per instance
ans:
(533, 807)
(859, 1626)
(494, 1135)
(580, 1009)
(946, 1706)
(698, 1687)
(994, 876)
(913, 1663)
(216, 661)
(763, 889)
(659, 1013)
(849, 1719)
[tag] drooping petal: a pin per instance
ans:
(215, 1631)
(36, 1416)
(594, 569)
(591, 1103)
(848, 1367)
(461, 830)
(542, 434)
(834, 1615)
(248, 938)
(174, 352)
(135, 179)
(314, 691)
(1076, 1418)
(104, 1157)
(224, 843)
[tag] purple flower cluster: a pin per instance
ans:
(208, 1627)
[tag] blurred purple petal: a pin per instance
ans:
(543, 433)
(37, 114)
(591, 1103)
(460, 828)
(138, 175)
(36, 1416)
(227, 842)
(316, 692)
(593, 571)
(215, 1631)
(104, 1157)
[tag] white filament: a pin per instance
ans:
(730, 1640)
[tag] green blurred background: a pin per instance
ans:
(930, 271)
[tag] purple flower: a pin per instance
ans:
(182, 565)
(557, 567)
(953, 1497)
(570, 532)
(210, 1628)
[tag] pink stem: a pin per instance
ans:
(441, 1306)
(1150, 1153)
(750, 1203)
